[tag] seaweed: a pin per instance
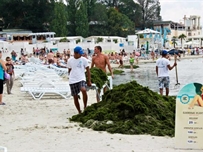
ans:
(131, 109)
(98, 77)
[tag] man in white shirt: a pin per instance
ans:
(77, 79)
(162, 71)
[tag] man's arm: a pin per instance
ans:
(69, 71)
(109, 66)
(157, 70)
(92, 64)
(88, 76)
(171, 67)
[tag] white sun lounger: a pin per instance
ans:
(3, 148)
(108, 84)
(38, 91)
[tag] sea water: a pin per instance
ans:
(188, 71)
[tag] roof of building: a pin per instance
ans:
(167, 22)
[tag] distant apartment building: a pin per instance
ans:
(192, 26)
(169, 28)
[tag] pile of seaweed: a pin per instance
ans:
(131, 109)
(98, 77)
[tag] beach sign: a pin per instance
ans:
(189, 117)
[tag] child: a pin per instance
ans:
(10, 70)
(131, 60)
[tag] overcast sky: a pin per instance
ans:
(176, 9)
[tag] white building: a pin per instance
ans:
(192, 26)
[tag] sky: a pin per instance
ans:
(175, 10)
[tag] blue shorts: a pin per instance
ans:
(164, 82)
(76, 87)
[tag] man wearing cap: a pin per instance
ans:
(77, 79)
(162, 71)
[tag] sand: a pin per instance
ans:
(28, 125)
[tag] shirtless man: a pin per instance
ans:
(50, 57)
(101, 61)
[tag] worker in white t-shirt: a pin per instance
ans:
(162, 71)
(77, 79)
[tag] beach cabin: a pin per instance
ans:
(21, 35)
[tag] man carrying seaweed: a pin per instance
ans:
(101, 61)
(77, 79)
(162, 71)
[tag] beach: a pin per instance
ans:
(28, 125)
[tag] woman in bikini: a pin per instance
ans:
(198, 98)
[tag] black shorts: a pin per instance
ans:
(1, 86)
(76, 87)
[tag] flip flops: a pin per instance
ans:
(2, 103)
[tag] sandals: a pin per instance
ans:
(2, 103)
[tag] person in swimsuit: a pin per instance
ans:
(198, 98)
(131, 60)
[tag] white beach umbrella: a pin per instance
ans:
(148, 31)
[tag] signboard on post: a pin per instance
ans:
(189, 117)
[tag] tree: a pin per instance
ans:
(59, 22)
(119, 24)
(150, 12)
(132, 10)
(81, 20)
(98, 23)
(111, 3)
(72, 6)
(182, 37)
(174, 39)
(26, 14)
(90, 5)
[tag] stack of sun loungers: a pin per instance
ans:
(42, 81)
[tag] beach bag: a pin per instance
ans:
(6, 77)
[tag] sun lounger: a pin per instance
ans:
(38, 91)
(108, 85)
(3, 148)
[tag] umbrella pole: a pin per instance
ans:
(176, 69)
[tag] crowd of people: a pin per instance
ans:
(78, 62)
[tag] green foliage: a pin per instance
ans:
(116, 72)
(77, 41)
(98, 24)
(174, 39)
(150, 11)
(98, 77)
(141, 36)
(128, 66)
(63, 40)
(105, 17)
(115, 40)
(81, 19)
(182, 37)
(131, 109)
(99, 39)
(119, 24)
(59, 21)
(27, 14)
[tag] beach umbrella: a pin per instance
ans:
(147, 31)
